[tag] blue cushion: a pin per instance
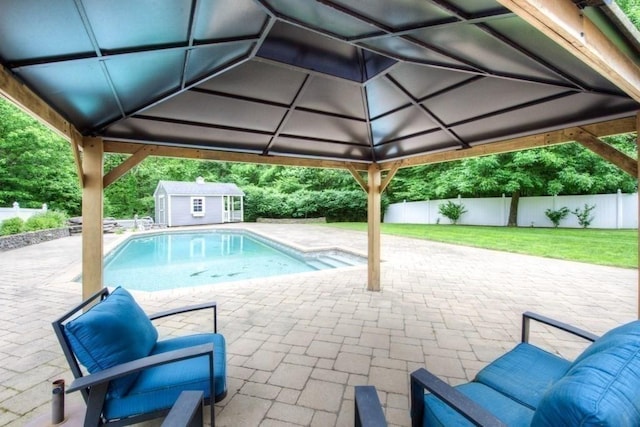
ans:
(159, 387)
(114, 331)
(602, 387)
(510, 412)
(524, 373)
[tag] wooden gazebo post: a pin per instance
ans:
(92, 202)
(373, 219)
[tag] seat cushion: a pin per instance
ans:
(602, 387)
(524, 373)
(158, 388)
(510, 412)
(114, 331)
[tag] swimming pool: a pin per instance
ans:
(170, 260)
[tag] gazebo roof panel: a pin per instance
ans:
(217, 20)
(291, 146)
(581, 109)
(197, 107)
(335, 97)
(269, 82)
(310, 125)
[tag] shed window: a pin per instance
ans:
(197, 206)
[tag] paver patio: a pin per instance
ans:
(298, 344)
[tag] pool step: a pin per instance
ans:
(331, 261)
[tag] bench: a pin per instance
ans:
(529, 386)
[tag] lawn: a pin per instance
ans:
(596, 246)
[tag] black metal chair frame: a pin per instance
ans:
(422, 380)
(368, 411)
(94, 386)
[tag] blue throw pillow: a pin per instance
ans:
(602, 387)
(114, 331)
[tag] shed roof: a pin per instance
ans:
(181, 188)
(357, 81)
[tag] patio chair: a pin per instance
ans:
(133, 376)
(529, 386)
(367, 409)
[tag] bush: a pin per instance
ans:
(556, 216)
(335, 205)
(452, 211)
(584, 215)
(45, 220)
(11, 226)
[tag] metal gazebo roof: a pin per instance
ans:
(363, 85)
(358, 81)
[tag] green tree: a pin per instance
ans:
(632, 9)
(562, 169)
(36, 165)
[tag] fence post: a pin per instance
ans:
(619, 213)
(16, 208)
(504, 210)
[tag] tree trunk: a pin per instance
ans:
(513, 209)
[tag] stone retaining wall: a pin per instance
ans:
(292, 220)
(16, 241)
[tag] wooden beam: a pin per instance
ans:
(31, 103)
(124, 167)
(76, 143)
(387, 179)
(92, 202)
(226, 156)
(359, 179)
(613, 127)
(607, 152)
(373, 220)
(638, 145)
(563, 22)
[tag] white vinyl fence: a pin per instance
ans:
(611, 211)
(17, 211)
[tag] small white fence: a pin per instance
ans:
(611, 211)
(17, 211)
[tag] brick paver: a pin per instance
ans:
(298, 344)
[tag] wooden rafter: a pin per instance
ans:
(563, 22)
(28, 101)
(614, 127)
(387, 179)
(76, 144)
(358, 178)
(25, 99)
(126, 165)
(606, 151)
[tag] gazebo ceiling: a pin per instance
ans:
(364, 81)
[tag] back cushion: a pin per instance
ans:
(114, 331)
(602, 387)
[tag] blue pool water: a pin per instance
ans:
(171, 260)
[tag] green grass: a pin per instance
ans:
(596, 246)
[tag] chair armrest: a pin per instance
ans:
(189, 308)
(527, 316)
(368, 411)
(123, 369)
(422, 380)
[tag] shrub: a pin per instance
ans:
(556, 216)
(45, 220)
(11, 226)
(584, 215)
(452, 211)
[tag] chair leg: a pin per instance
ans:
(98, 393)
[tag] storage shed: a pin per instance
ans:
(180, 203)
